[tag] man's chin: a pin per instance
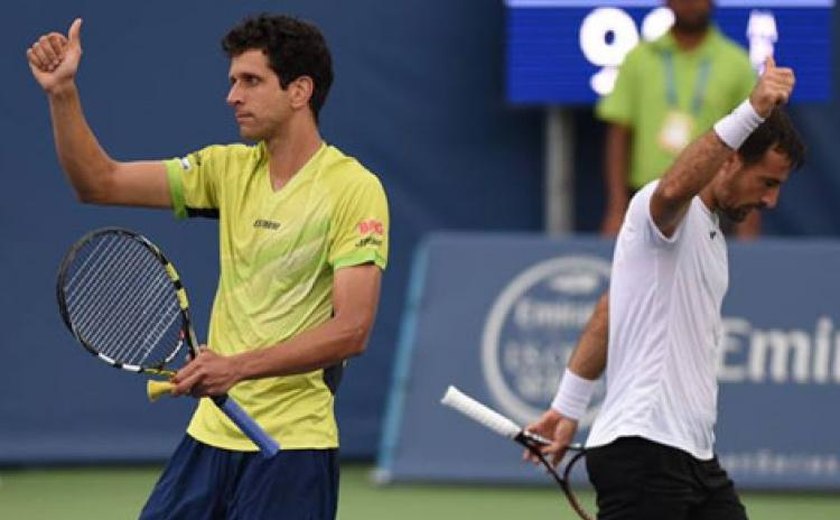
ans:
(738, 215)
(697, 26)
(248, 135)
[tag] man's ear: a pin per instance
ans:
(300, 91)
(732, 165)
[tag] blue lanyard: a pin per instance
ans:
(699, 88)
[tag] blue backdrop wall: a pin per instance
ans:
(418, 98)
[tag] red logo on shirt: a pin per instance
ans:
(371, 226)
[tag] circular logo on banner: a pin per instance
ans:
(533, 328)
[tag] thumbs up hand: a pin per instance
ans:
(54, 58)
(774, 88)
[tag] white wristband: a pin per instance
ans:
(573, 395)
(735, 128)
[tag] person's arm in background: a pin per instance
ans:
(618, 110)
(616, 164)
(586, 364)
(95, 176)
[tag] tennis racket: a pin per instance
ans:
(505, 427)
(124, 302)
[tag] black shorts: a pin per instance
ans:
(637, 479)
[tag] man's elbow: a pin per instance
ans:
(87, 195)
(358, 343)
(668, 192)
(97, 185)
(356, 338)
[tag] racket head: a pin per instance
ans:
(123, 300)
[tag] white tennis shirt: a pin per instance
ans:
(664, 330)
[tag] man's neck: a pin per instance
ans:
(689, 40)
(707, 196)
(289, 152)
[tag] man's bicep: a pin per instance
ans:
(665, 213)
(141, 183)
(646, 218)
(356, 293)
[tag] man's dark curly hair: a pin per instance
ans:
(294, 48)
(777, 133)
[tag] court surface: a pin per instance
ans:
(118, 493)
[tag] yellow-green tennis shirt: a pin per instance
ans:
(279, 251)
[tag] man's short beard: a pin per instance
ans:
(736, 215)
(693, 27)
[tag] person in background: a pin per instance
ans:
(667, 93)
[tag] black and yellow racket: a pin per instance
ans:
(505, 427)
(124, 302)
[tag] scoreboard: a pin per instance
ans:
(568, 51)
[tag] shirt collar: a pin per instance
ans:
(666, 42)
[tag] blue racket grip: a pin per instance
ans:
(268, 446)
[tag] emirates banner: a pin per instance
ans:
(498, 315)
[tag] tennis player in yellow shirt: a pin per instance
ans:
(303, 240)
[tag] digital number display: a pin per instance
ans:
(568, 51)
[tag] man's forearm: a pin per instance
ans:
(696, 166)
(84, 161)
(590, 356)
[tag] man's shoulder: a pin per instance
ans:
(644, 51)
(235, 151)
(342, 169)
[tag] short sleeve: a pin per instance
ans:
(639, 221)
(194, 181)
(359, 228)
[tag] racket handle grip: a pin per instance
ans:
(267, 445)
(157, 389)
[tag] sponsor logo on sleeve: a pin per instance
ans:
(370, 233)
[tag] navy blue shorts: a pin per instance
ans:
(202, 482)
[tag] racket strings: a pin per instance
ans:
(105, 300)
(148, 319)
(155, 328)
(91, 301)
(145, 323)
(122, 302)
(563, 481)
(151, 313)
(85, 291)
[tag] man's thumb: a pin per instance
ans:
(74, 34)
(769, 63)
